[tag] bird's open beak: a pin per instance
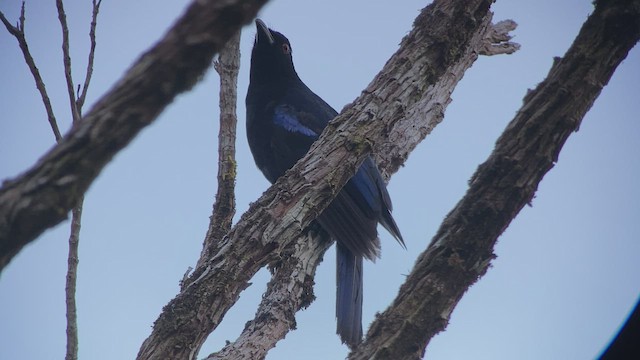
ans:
(263, 30)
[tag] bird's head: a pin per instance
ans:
(271, 55)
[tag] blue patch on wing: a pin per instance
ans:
(288, 121)
(367, 186)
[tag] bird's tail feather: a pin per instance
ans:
(349, 296)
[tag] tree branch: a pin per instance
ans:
(44, 194)
(289, 291)
(227, 66)
(71, 281)
(441, 35)
(462, 249)
(18, 33)
(62, 17)
(92, 49)
(76, 214)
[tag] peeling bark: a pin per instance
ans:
(287, 294)
(290, 290)
(289, 206)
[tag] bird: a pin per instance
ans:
(283, 118)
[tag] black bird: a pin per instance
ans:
(284, 117)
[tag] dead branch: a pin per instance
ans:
(227, 66)
(44, 194)
(92, 49)
(462, 249)
(289, 206)
(18, 33)
(288, 291)
(62, 17)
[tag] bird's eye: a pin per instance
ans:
(286, 48)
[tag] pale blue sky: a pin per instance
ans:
(567, 269)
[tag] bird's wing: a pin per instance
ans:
(308, 108)
(288, 118)
(364, 200)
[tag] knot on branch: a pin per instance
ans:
(496, 39)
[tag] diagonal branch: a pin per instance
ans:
(462, 249)
(18, 33)
(291, 286)
(289, 206)
(44, 194)
(289, 290)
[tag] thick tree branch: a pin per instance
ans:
(462, 249)
(44, 194)
(290, 205)
(288, 291)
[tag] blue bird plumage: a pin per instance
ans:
(284, 117)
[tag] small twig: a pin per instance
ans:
(70, 289)
(18, 33)
(76, 218)
(67, 61)
(171, 67)
(92, 36)
(74, 237)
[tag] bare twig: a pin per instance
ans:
(18, 33)
(76, 110)
(76, 214)
(170, 67)
(92, 37)
(70, 289)
(67, 61)
(224, 208)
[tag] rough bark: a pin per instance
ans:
(462, 249)
(71, 282)
(227, 66)
(290, 205)
(288, 290)
(43, 195)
